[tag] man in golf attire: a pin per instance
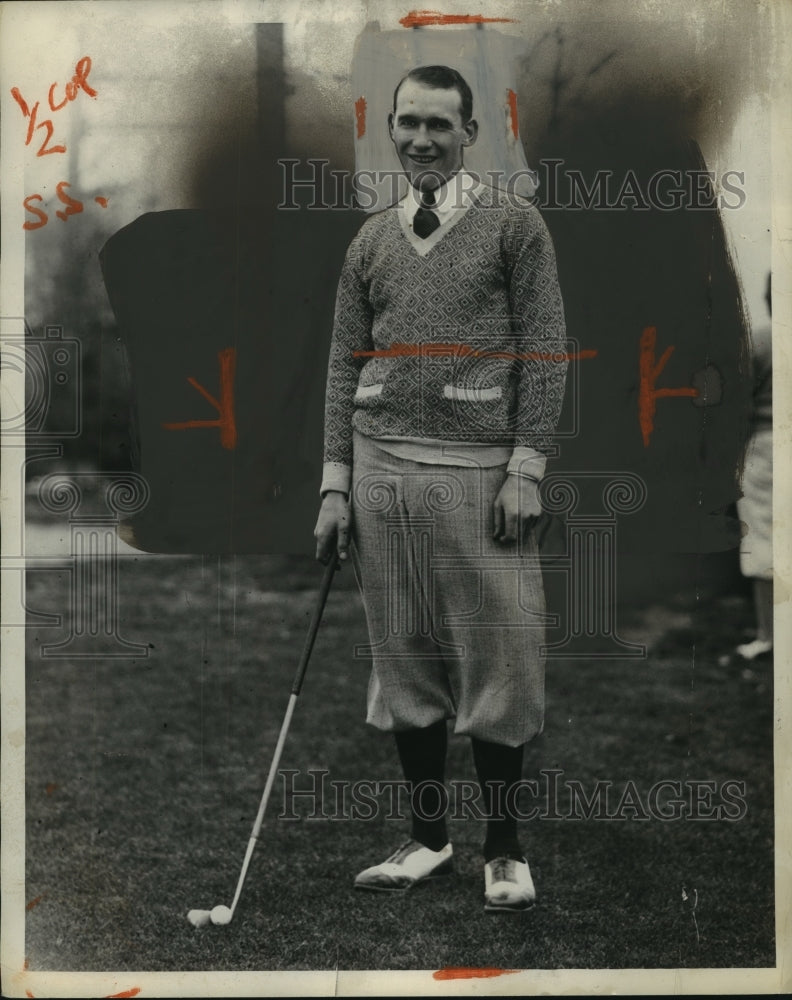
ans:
(444, 389)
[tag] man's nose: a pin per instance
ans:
(421, 138)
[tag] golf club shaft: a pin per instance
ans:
(265, 798)
(324, 590)
(313, 628)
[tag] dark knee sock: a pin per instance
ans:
(422, 753)
(498, 768)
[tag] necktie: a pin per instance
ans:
(425, 221)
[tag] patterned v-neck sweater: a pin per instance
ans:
(461, 343)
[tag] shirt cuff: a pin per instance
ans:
(335, 476)
(527, 462)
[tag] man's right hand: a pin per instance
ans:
(332, 527)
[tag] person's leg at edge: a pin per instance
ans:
(763, 609)
(763, 602)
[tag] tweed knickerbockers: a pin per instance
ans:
(455, 619)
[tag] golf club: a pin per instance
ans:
(224, 914)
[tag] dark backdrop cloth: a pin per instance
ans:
(186, 285)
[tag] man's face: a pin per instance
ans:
(428, 133)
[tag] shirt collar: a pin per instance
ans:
(454, 194)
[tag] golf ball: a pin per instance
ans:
(221, 915)
(199, 918)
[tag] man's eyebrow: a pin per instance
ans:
(434, 120)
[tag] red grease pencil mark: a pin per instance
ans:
(42, 216)
(35, 902)
(462, 350)
(51, 787)
(649, 373)
(126, 993)
(360, 116)
(34, 124)
(16, 94)
(471, 973)
(422, 18)
(79, 81)
(73, 205)
(29, 994)
(226, 421)
(515, 124)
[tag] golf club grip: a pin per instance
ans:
(313, 628)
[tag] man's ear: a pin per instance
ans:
(390, 124)
(471, 132)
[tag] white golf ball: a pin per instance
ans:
(221, 915)
(199, 918)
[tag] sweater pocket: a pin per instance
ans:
(367, 392)
(472, 394)
(471, 411)
(373, 383)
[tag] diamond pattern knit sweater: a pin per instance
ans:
(454, 345)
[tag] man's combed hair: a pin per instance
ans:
(441, 78)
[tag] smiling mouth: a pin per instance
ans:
(423, 160)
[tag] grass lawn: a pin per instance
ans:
(144, 776)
